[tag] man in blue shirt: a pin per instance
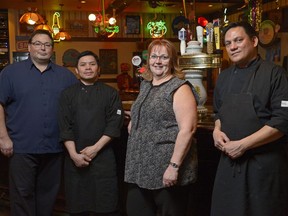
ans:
(29, 134)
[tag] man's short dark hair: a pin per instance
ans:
(250, 31)
(41, 31)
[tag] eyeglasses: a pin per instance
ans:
(39, 45)
(161, 57)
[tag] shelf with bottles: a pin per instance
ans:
(4, 39)
(3, 19)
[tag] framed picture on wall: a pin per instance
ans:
(108, 61)
(132, 24)
(77, 28)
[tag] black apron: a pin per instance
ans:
(252, 184)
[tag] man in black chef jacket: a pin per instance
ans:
(251, 127)
(90, 117)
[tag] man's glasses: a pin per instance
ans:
(39, 45)
(161, 57)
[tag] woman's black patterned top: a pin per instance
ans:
(152, 138)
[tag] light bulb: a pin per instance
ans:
(31, 22)
(92, 17)
(112, 21)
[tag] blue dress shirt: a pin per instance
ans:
(30, 99)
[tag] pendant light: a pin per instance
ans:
(31, 17)
(44, 25)
(102, 24)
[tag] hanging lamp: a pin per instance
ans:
(62, 35)
(31, 17)
(102, 25)
(44, 25)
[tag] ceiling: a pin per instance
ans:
(201, 7)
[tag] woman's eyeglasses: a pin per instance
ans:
(161, 57)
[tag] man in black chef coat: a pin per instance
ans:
(90, 117)
(251, 128)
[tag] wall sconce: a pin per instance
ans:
(31, 17)
(102, 24)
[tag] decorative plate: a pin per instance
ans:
(69, 58)
(267, 33)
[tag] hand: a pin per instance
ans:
(170, 176)
(234, 149)
(220, 139)
(89, 152)
(127, 114)
(6, 146)
(127, 117)
(81, 160)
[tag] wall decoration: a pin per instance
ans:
(69, 58)
(267, 33)
(269, 40)
(157, 29)
(77, 28)
(178, 23)
(108, 61)
(255, 13)
(21, 45)
(132, 24)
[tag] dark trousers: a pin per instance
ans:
(165, 202)
(34, 183)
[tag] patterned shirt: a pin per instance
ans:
(152, 138)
